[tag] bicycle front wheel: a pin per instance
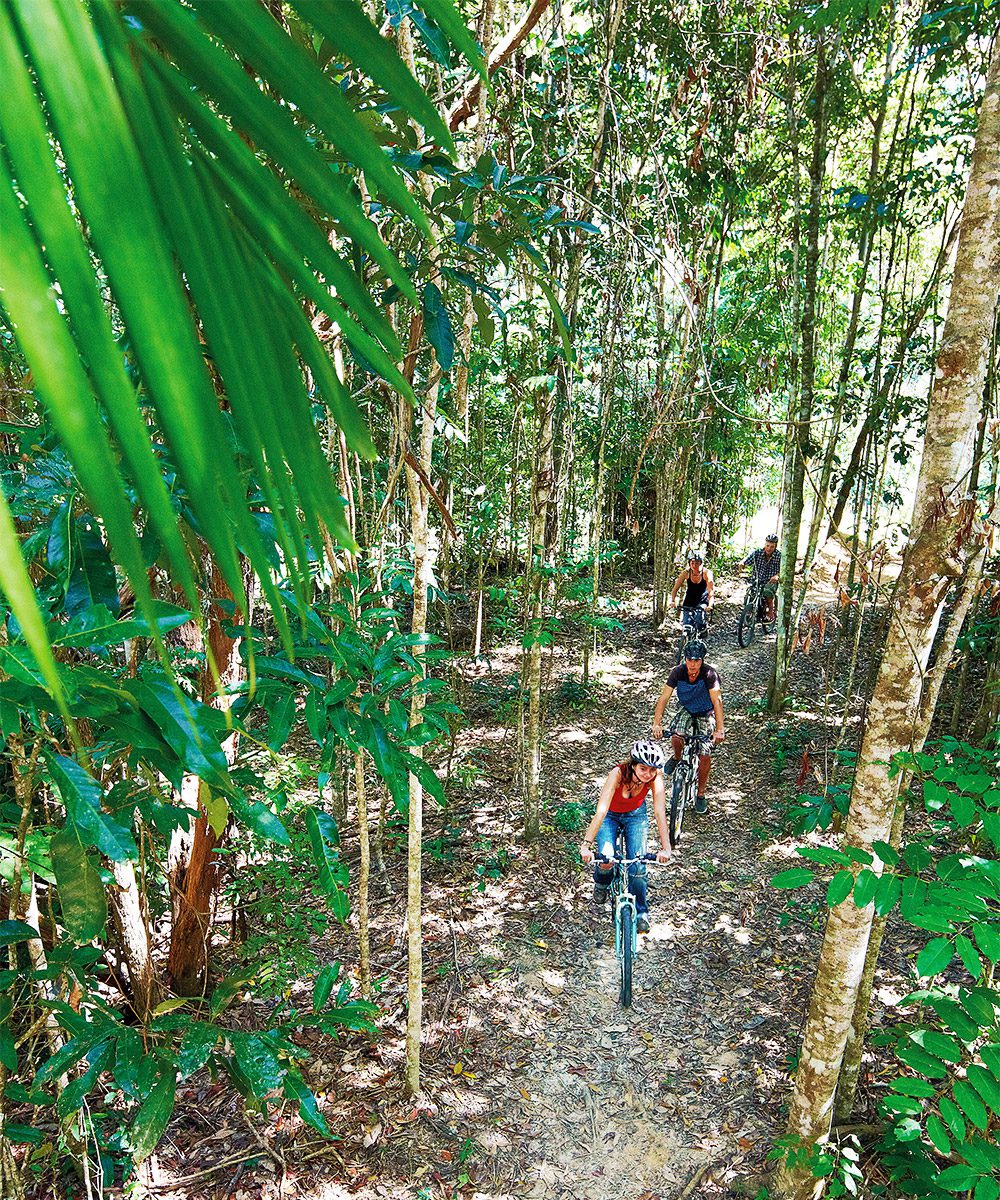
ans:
(626, 951)
(678, 802)
(744, 627)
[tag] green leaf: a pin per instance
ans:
(934, 957)
(151, 1120)
(795, 877)
(864, 887)
(295, 1089)
(195, 1047)
(970, 1103)
(823, 854)
(258, 817)
(8, 1051)
(921, 1061)
(887, 893)
(190, 728)
(956, 1018)
(322, 831)
(257, 1061)
(325, 980)
(81, 794)
(96, 626)
(16, 931)
(985, 1084)
(81, 893)
(957, 1179)
(939, 1044)
(938, 1134)
(988, 939)
(444, 14)
(437, 323)
(886, 853)
(970, 959)
(953, 1117)
(839, 888)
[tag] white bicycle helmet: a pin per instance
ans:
(648, 753)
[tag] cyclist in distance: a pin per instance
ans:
(699, 587)
(766, 564)
(621, 807)
(699, 694)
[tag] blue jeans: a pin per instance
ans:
(634, 825)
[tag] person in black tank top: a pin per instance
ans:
(699, 587)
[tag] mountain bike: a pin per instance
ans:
(693, 623)
(623, 916)
(753, 610)
(685, 777)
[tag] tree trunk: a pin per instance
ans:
(932, 560)
(799, 447)
(194, 874)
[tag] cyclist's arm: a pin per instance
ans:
(715, 695)
(710, 589)
(660, 813)
(659, 710)
(677, 587)
(597, 820)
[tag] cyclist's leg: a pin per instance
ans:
(636, 825)
(604, 848)
(704, 767)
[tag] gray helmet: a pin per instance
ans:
(648, 753)
(772, 537)
(694, 650)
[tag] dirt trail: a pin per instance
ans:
(681, 1089)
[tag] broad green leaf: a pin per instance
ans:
(257, 1061)
(956, 1018)
(325, 980)
(151, 1120)
(795, 877)
(864, 887)
(986, 1085)
(887, 894)
(190, 728)
(968, 1100)
(839, 888)
(437, 324)
(216, 810)
(939, 1044)
(81, 893)
(81, 794)
(921, 1061)
(72, 1096)
(258, 817)
(823, 854)
(970, 959)
(196, 1045)
(953, 1116)
(97, 627)
(445, 15)
(16, 931)
(333, 876)
(934, 957)
(8, 1051)
(938, 1134)
(295, 1089)
(988, 940)
(957, 1178)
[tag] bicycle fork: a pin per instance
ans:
(626, 900)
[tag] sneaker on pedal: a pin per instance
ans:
(701, 805)
(642, 924)
(600, 893)
(669, 768)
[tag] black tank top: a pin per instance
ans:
(695, 593)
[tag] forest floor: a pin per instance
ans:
(537, 1084)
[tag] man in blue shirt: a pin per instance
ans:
(699, 694)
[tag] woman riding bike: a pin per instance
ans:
(621, 808)
(699, 588)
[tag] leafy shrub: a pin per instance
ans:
(571, 815)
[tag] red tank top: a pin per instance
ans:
(620, 803)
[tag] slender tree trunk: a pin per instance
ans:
(799, 447)
(851, 1068)
(932, 560)
(132, 932)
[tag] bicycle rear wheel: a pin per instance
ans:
(678, 802)
(745, 625)
(627, 936)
